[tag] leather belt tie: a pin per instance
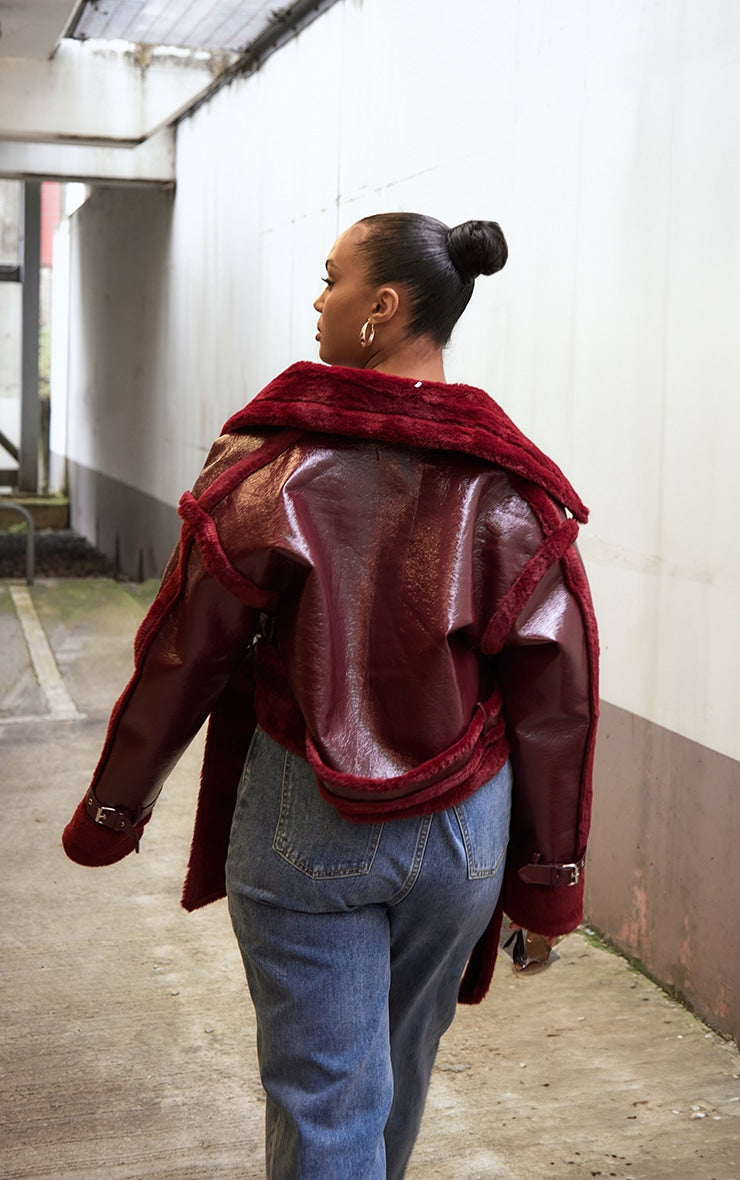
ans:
(538, 873)
(111, 817)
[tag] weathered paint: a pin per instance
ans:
(663, 878)
(138, 532)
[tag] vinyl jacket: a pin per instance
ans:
(382, 573)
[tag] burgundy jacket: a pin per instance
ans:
(382, 574)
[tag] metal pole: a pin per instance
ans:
(28, 465)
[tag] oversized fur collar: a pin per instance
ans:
(364, 403)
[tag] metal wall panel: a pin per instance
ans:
(609, 336)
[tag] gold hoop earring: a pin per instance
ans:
(367, 334)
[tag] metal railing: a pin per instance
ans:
(30, 536)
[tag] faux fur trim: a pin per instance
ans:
(548, 553)
(230, 729)
(363, 403)
(216, 560)
(486, 720)
(548, 909)
(485, 761)
(236, 474)
(478, 973)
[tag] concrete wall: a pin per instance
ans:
(664, 877)
(121, 429)
(603, 138)
(10, 366)
(10, 322)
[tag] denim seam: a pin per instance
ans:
(475, 873)
(281, 846)
(416, 864)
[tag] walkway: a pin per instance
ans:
(127, 1035)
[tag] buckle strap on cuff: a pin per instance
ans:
(537, 873)
(111, 817)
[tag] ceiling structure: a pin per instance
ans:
(192, 24)
(33, 30)
(92, 90)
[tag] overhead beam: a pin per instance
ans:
(152, 162)
(32, 29)
(96, 91)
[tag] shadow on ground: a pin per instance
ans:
(59, 553)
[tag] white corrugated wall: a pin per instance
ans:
(603, 137)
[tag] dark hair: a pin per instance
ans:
(437, 265)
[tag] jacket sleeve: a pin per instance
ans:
(194, 637)
(547, 670)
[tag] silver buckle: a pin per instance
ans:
(101, 812)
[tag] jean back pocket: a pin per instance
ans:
(311, 834)
(484, 824)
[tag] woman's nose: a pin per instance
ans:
(318, 303)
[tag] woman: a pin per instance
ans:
(377, 599)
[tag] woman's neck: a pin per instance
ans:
(417, 363)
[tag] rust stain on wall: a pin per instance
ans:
(663, 871)
(634, 930)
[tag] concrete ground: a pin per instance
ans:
(127, 1034)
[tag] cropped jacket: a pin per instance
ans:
(382, 573)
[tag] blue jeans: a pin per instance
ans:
(354, 939)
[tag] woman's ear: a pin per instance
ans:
(386, 305)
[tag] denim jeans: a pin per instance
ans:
(354, 939)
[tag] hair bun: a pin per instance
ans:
(477, 248)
